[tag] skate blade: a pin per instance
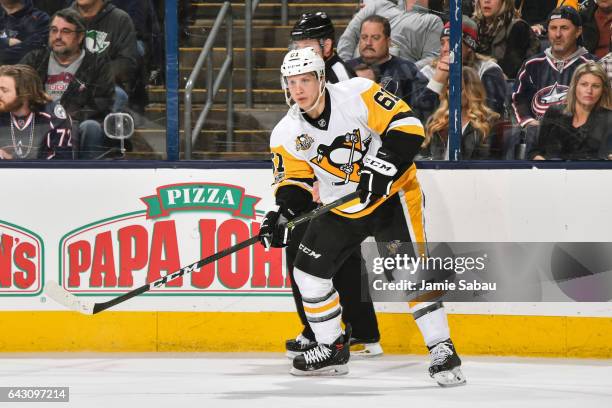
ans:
(330, 371)
(451, 378)
(363, 351)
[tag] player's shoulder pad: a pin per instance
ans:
(356, 84)
(285, 130)
(349, 90)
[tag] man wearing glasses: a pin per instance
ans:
(80, 80)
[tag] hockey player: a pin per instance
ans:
(353, 125)
(317, 30)
(31, 127)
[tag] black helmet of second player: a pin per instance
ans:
(313, 25)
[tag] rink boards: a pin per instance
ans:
(102, 232)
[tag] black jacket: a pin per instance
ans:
(111, 33)
(559, 139)
(535, 11)
(337, 70)
(473, 147)
(90, 95)
(29, 25)
(590, 31)
(402, 78)
(511, 46)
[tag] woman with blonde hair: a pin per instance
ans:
(491, 75)
(581, 129)
(503, 35)
(477, 120)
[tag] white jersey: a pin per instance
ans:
(358, 114)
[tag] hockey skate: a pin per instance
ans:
(325, 359)
(365, 348)
(445, 365)
(298, 346)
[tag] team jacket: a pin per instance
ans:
(42, 135)
(358, 119)
(29, 25)
(543, 81)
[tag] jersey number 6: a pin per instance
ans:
(385, 99)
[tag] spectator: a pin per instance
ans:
(467, 9)
(543, 80)
(477, 120)
(137, 10)
(397, 75)
(579, 130)
(148, 29)
(596, 21)
(414, 32)
(111, 33)
(491, 75)
(80, 80)
(23, 28)
(316, 30)
(367, 71)
(503, 35)
(30, 126)
(535, 13)
(51, 6)
(606, 61)
(148, 43)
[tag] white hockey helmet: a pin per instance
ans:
(301, 61)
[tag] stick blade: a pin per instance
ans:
(67, 299)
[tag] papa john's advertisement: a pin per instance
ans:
(100, 234)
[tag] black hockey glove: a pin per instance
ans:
(273, 231)
(376, 176)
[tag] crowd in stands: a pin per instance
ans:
(536, 74)
(527, 66)
(92, 57)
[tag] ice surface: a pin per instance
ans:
(262, 380)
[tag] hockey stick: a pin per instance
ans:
(88, 307)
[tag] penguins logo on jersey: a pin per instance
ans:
(303, 142)
(343, 156)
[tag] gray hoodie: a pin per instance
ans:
(415, 35)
